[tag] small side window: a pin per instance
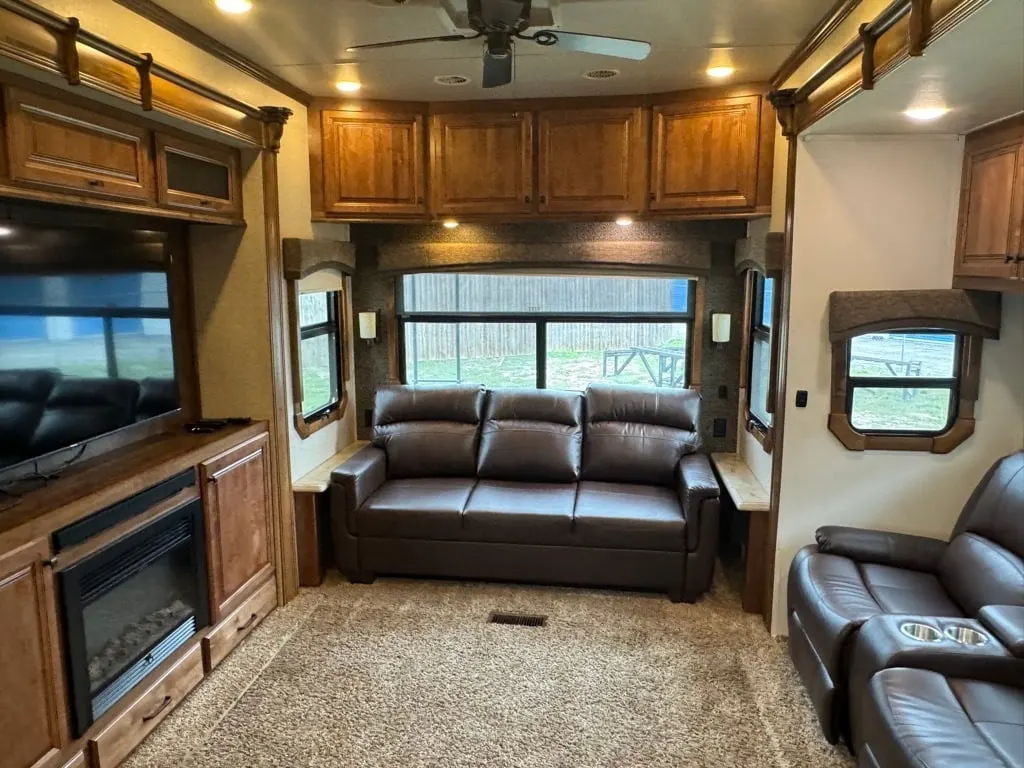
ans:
(318, 359)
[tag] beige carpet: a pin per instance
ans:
(402, 674)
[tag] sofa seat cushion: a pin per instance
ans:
(520, 513)
(897, 590)
(916, 717)
(625, 516)
(416, 508)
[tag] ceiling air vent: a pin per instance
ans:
(451, 80)
(601, 74)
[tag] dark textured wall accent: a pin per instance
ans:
(372, 289)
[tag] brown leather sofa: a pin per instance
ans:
(852, 575)
(603, 488)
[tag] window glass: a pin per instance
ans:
(767, 300)
(313, 309)
(647, 354)
(903, 355)
(901, 409)
(319, 355)
(490, 354)
(760, 375)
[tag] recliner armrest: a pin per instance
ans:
(917, 553)
(354, 481)
(697, 484)
(1006, 622)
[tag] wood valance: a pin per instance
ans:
(852, 313)
(304, 257)
(653, 256)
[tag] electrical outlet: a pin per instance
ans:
(723, 392)
(720, 427)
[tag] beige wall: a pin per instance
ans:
(880, 213)
(230, 266)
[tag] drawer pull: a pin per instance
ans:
(1010, 258)
(95, 183)
(249, 623)
(163, 705)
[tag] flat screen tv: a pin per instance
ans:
(86, 340)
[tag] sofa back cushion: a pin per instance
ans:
(984, 563)
(638, 434)
(428, 431)
(533, 435)
(23, 394)
(80, 408)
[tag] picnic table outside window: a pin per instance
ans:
(666, 367)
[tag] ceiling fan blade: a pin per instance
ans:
(498, 70)
(413, 41)
(619, 47)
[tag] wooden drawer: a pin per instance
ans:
(56, 145)
(126, 731)
(236, 627)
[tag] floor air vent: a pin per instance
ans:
(518, 619)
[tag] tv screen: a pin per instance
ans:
(86, 339)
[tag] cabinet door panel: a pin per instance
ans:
(198, 177)
(373, 163)
(591, 160)
(991, 212)
(33, 724)
(237, 498)
(705, 155)
(56, 145)
(482, 163)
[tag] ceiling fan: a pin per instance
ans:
(502, 22)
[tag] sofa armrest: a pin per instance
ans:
(1006, 622)
(917, 553)
(354, 481)
(697, 485)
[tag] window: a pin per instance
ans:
(762, 292)
(905, 389)
(554, 331)
(319, 355)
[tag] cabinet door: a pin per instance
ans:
(482, 163)
(991, 211)
(237, 504)
(54, 145)
(373, 164)
(705, 155)
(591, 160)
(197, 177)
(33, 720)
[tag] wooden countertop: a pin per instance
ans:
(318, 480)
(98, 482)
(746, 492)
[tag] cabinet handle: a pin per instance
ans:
(1020, 259)
(94, 183)
(543, 199)
(249, 623)
(206, 203)
(163, 705)
(527, 198)
(1010, 258)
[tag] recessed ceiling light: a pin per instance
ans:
(925, 114)
(348, 86)
(601, 74)
(450, 224)
(720, 73)
(6, 231)
(451, 79)
(624, 221)
(234, 6)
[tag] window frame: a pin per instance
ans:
(754, 328)
(307, 424)
(963, 387)
(692, 318)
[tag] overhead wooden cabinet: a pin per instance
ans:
(705, 154)
(591, 160)
(989, 239)
(482, 163)
(33, 720)
(198, 177)
(373, 163)
(236, 499)
(62, 147)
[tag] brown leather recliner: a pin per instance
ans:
(603, 488)
(851, 575)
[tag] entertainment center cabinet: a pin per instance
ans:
(225, 475)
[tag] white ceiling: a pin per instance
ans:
(301, 39)
(976, 70)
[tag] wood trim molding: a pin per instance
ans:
(696, 358)
(303, 257)
(813, 40)
(839, 423)
(36, 37)
(178, 26)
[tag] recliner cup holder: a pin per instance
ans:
(964, 635)
(923, 633)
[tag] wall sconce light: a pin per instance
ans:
(368, 326)
(721, 328)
